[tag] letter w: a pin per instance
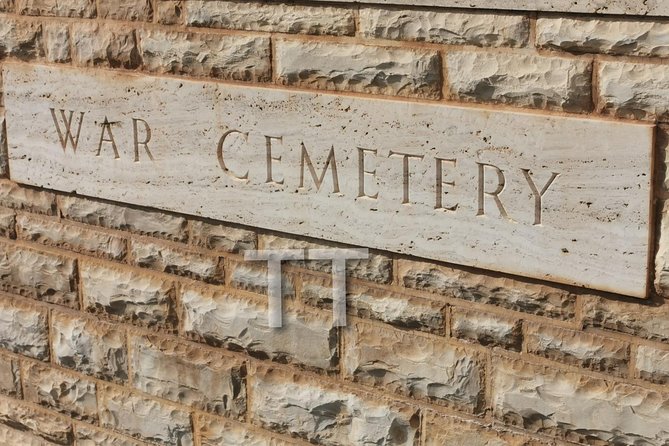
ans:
(67, 135)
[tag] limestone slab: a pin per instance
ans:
(505, 191)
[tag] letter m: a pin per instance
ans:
(65, 134)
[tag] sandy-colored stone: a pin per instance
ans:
(25, 198)
(653, 364)
(10, 376)
(89, 436)
(648, 320)
(252, 276)
(59, 8)
(57, 42)
(489, 329)
(23, 329)
(222, 238)
(270, 17)
(35, 423)
(364, 69)
(453, 28)
(7, 223)
(13, 437)
(223, 432)
(104, 45)
(521, 79)
(7, 5)
(170, 12)
(129, 10)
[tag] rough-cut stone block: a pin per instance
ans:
(241, 323)
(222, 238)
(21, 39)
(634, 90)
(452, 28)
(578, 408)
(324, 414)
(578, 348)
(7, 223)
(252, 276)
(91, 347)
(653, 364)
(359, 68)
(59, 8)
(10, 376)
(130, 294)
(648, 320)
(270, 17)
(104, 45)
(4, 156)
(505, 292)
(89, 436)
(521, 79)
(9, 436)
(24, 198)
(35, 422)
(71, 237)
(57, 42)
(144, 418)
(7, 5)
(232, 57)
(173, 260)
(222, 432)
(189, 375)
(415, 366)
(129, 10)
(170, 12)
(65, 393)
(48, 277)
(400, 310)
(156, 224)
(489, 329)
(23, 328)
(604, 35)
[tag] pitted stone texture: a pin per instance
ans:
(89, 436)
(653, 364)
(648, 320)
(400, 310)
(71, 237)
(359, 68)
(189, 375)
(521, 79)
(241, 323)
(42, 424)
(131, 295)
(54, 389)
(604, 35)
(24, 198)
(578, 408)
(128, 10)
(415, 366)
(48, 277)
(156, 224)
(10, 376)
(505, 292)
(23, 329)
(377, 268)
(452, 28)
(7, 223)
(173, 260)
(222, 238)
(143, 418)
(57, 42)
(222, 432)
(7, 5)
(662, 255)
(577, 348)
(170, 12)
(9, 436)
(322, 414)
(231, 57)
(57, 8)
(489, 329)
(91, 347)
(637, 91)
(252, 276)
(4, 156)
(104, 45)
(270, 17)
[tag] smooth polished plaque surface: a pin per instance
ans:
(565, 199)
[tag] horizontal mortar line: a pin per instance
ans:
(660, 345)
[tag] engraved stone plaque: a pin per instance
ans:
(564, 199)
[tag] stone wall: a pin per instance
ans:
(122, 325)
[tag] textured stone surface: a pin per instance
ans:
(241, 323)
(453, 28)
(60, 8)
(36, 422)
(21, 39)
(52, 388)
(505, 292)
(414, 366)
(401, 310)
(189, 375)
(653, 364)
(174, 260)
(7, 5)
(605, 35)
(88, 436)
(520, 79)
(156, 224)
(48, 277)
(146, 419)
(131, 295)
(221, 237)
(170, 12)
(578, 408)
(71, 237)
(91, 347)
(240, 58)
(12, 437)
(252, 276)
(23, 329)
(10, 379)
(644, 319)
(586, 350)
(129, 10)
(222, 432)
(298, 406)
(7, 223)
(24, 198)
(270, 17)
(57, 42)
(364, 69)
(489, 329)
(104, 45)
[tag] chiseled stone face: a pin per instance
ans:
(23, 329)
(89, 436)
(222, 432)
(35, 423)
